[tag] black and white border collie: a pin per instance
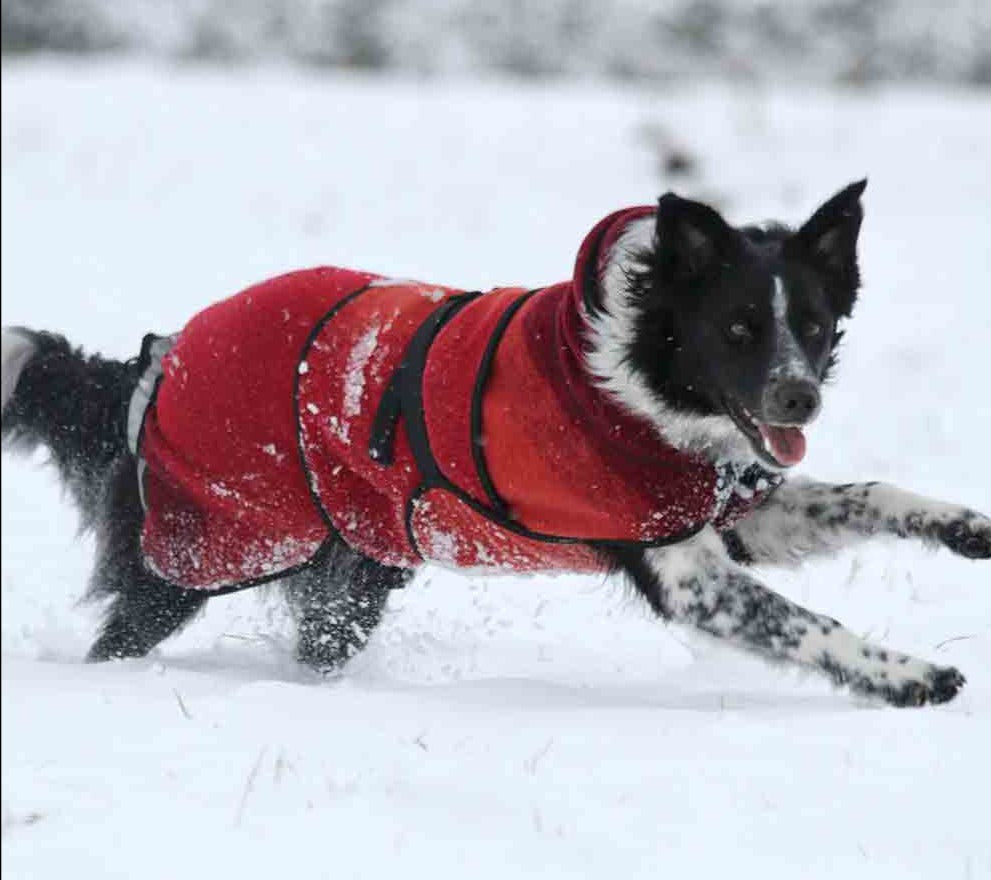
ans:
(720, 337)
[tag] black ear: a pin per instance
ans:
(829, 239)
(691, 237)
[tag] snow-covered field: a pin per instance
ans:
(494, 727)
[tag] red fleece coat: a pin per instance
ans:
(282, 417)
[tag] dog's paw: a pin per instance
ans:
(940, 685)
(968, 535)
(896, 678)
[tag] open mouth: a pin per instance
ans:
(778, 445)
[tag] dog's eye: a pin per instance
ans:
(740, 331)
(812, 329)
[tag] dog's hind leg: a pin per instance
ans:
(75, 405)
(337, 601)
(143, 609)
(141, 617)
(696, 582)
(805, 518)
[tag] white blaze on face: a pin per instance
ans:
(789, 360)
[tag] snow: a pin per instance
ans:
(354, 383)
(494, 726)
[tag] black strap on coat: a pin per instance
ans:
(403, 396)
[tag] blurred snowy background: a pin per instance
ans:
(655, 40)
(157, 156)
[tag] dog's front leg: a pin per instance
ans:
(804, 518)
(696, 582)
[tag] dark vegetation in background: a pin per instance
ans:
(854, 41)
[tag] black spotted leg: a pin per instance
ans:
(696, 582)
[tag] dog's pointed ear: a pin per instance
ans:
(691, 238)
(829, 238)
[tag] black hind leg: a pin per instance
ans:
(144, 609)
(337, 603)
(136, 623)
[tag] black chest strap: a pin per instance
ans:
(403, 396)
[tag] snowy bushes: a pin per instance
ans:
(850, 40)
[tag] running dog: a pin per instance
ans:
(333, 430)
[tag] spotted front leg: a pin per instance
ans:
(804, 518)
(696, 582)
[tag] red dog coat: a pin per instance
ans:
(417, 422)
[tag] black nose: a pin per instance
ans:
(792, 401)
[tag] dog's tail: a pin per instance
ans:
(53, 395)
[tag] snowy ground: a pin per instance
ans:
(495, 727)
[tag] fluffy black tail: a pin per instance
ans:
(75, 405)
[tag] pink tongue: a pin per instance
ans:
(787, 444)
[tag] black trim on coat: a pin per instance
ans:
(304, 351)
(518, 528)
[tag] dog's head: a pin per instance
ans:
(722, 336)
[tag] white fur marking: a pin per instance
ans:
(779, 302)
(611, 334)
(15, 351)
(789, 360)
(145, 389)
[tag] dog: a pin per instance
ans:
(331, 430)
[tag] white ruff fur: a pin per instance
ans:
(611, 336)
(15, 351)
